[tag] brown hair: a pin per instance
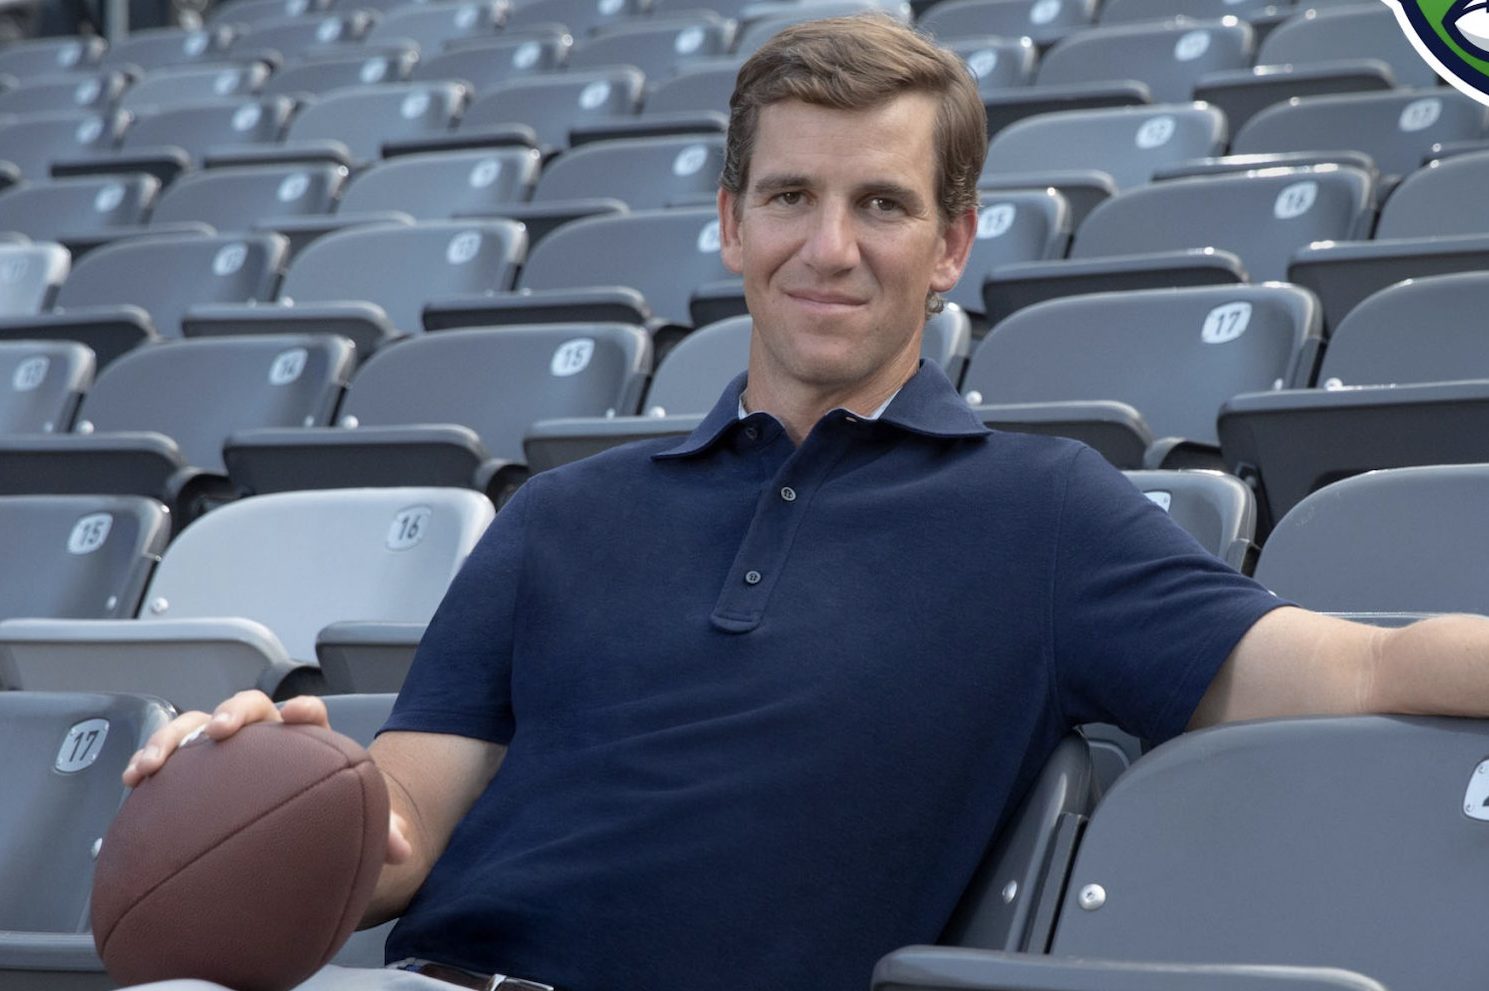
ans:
(855, 63)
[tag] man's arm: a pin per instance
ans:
(1294, 662)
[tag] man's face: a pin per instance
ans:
(839, 239)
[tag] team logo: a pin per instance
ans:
(1453, 37)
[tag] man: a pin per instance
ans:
(743, 710)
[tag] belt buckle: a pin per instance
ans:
(501, 982)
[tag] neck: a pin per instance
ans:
(799, 410)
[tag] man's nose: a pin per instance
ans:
(832, 241)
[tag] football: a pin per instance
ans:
(246, 862)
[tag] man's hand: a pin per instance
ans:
(231, 716)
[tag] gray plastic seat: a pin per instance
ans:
(316, 75)
(372, 283)
(248, 12)
(108, 305)
(580, 17)
(1090, 155)
(997, 62)
(434, 24)
(241, 199)
(643, 173)
(1228, 227)
(155, 48)
(155, 421)
(1229, 844)
(482, 63)
(194, 83)
(1043, 21)
(66, 754)
(78, 556)
(1168, 58)
(444, 185)
(657, 46)
(44, 56)
(1442, 198)
(937, 968)
(41, 384)
(1397, 128)
(1215, 508)
(98, 90)
(80, 210)
(240, 595)
(34, 142)
(30, 274)
(551, 105)
(200, 130)
(451, 408)
(1325, 553)
(696, 89)
(1174, 355)
(284, 39)
(1014, 225)
(1396, 390)
(357, 121)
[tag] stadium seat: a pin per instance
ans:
(1175, 355)
(78, 556)
(451, 408)
(41, 384)
(363, 656)
(30, 275)
(1352, 47)
(1215, 508)
(997, 62)
(236, 200)
(287, 38)
(65, 754)
(1013, 225)
(167, 141)
(1240, 844)
(1432, 223)
(98, 90)
(34, 142)
(549, 106)
(1200, 230)
(657, 46)
(179, 85)
(1091, 155)
(482, 63)
(313, 76)
(1042, 21)
(155, 421)
(45, 56)
(432, 25)
(642, 173)
(442, 185)
(244, 13)
(939, 968)
(372, 283)
(107, 305)
(240, 595)
(1399, 387)
(1137, 11)
(155, 48)
(80, 211)
(580, 17)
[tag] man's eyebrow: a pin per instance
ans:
(780, 181)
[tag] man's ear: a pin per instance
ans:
(730, 248)
(957, 241)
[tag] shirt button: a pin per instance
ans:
(752, 578)
(753, 433)
(788, 493)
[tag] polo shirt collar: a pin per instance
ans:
(927, 404)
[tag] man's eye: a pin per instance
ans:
(789, 197)
(883, 204)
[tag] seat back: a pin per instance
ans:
(1127, 143)
(97, 90)
(30, 275)
(643, 173)
(1216, 509)
(298, 561)
(580, 18)
(1396, 128)
(238, 199)
(316, 75)
(998, 63)
(1263, 217)
(155, 48)
(286, 39)
(1329, 552)
(402, 268)
(1441, 198)
(33, 142)
(78, 557)
(194, 84)
(184, 271)
(1168, 57)
(1344, 842)
(198, 128)
(444, 185)
(696, 88)
(1347, 31)
(364, 118)
(1043, 21)
(45, 56)
(656, 45)
(553, 104)
(497, 381)
(1385, 341)
(1174, 354)
(64, 753)
(432, 25)
(55, 209)
(1013, 225)
(663, 254)
(41, 384)
(200, 390)
(485, 62)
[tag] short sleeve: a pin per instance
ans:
(1142, 616)
(460, 681)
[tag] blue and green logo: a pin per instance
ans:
(1453, 37)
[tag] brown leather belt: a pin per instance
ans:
(467, 979)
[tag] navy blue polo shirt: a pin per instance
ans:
(764, 704)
